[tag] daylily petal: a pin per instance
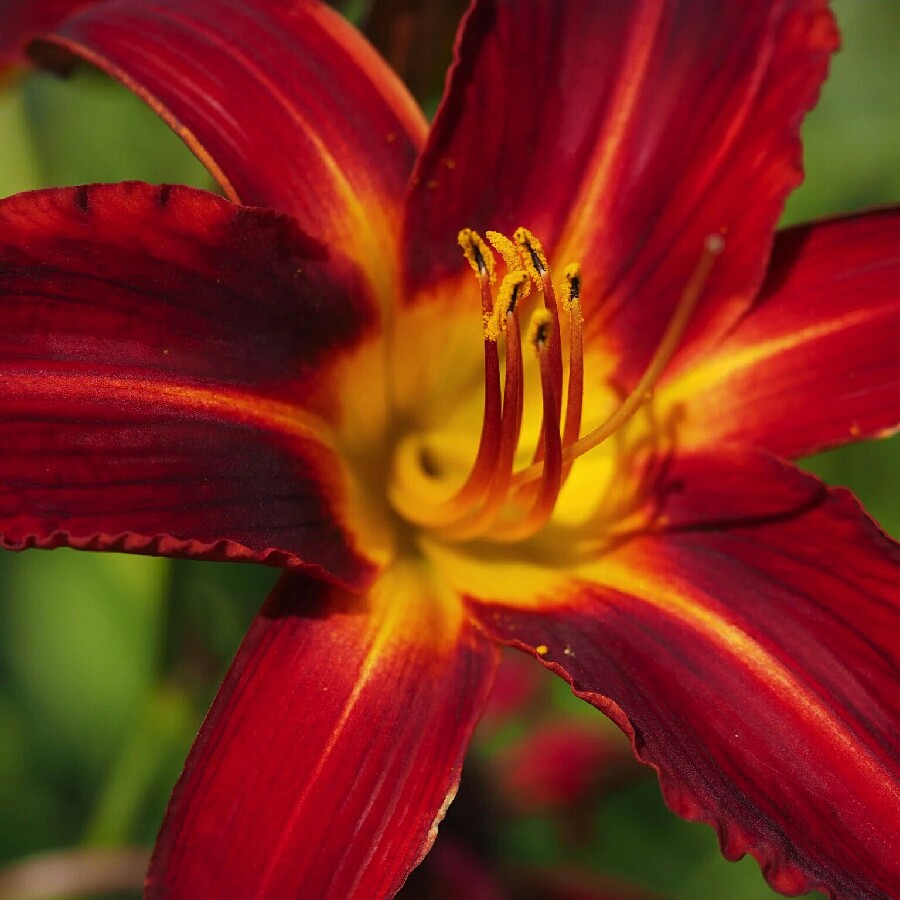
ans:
(622, 134)
(749, 648)
(20, 20)
(814, 363)
(162, 355)
(333, 749)
(285, 103)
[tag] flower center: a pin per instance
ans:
(495, 502)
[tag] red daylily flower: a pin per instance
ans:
(189, 377)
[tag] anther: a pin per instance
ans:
(540, 330)
(511, 256)
(570, 292)
(533, 254)
(478, 254)
(511, 292)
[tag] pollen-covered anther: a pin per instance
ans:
(511, 292)
(532, 255)
(570, 289)
(511, 257)
(540, 330)
(478, 254)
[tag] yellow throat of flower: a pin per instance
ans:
(496, 502)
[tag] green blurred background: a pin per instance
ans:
(107, 663)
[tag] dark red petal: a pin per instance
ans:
(750, 648)
(162, 355)
(286, 104)
(815, 361)
(332, 751)
(623, 134)
(20, 20)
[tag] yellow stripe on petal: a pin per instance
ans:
(634, 68)
(640, 579)
(713, 373)
(157, 396)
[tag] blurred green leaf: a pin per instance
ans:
(639, 839)
(80, 636)
(851, 139)
(19, 170)
(87, 128)
(132, 801)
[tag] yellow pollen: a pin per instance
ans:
(532, 255)
(511, 291)
(540, 329)
(511, 256)
(477, 252)
(542, 649)
(570, 290)
(492, 325)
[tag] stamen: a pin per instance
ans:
(482, 262)
(571, 303)
(495, 503)
(538, 268)
(713, 247)
(511, 427)
(540, 334)
(570, 298)
(532, 253)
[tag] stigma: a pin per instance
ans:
(497, 502)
